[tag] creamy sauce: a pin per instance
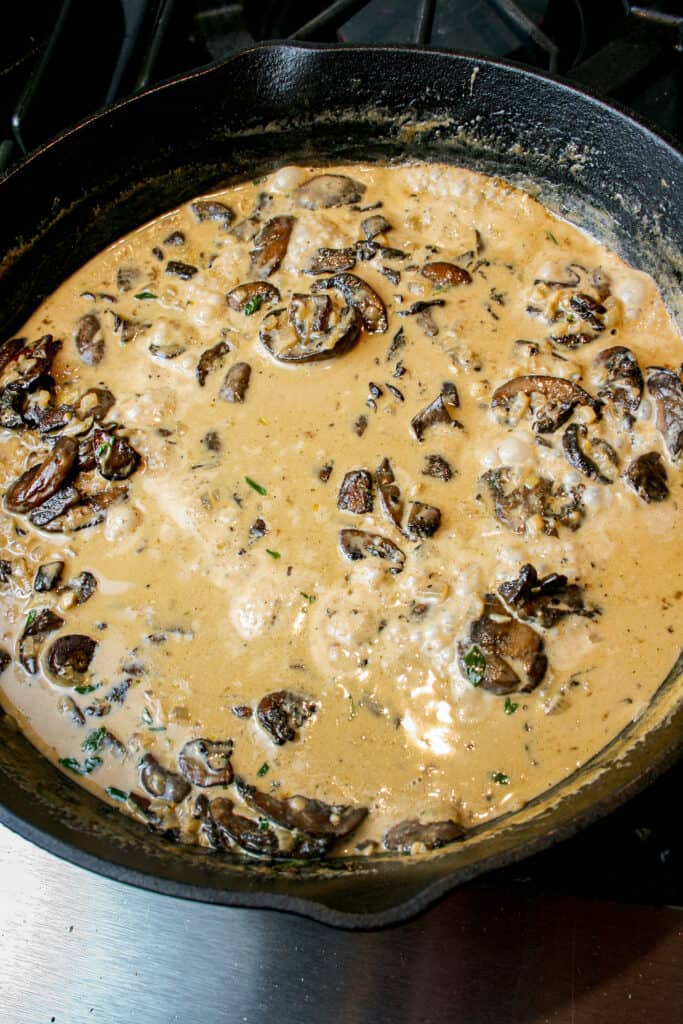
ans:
(220, 576)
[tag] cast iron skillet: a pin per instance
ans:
(262, 108)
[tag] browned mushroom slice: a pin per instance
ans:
(619, 378)
(445, 275)
(95, 402)
(86, 511)
(207, 762)
(357, 544)
(37, 628)
(234, 387)
(355, 492)
(495, 639)
(65, 498)
(589, 310)
(185, 271)
(646, 475)
(667, 390)
(69, 658)
(389, 492)
(330, 261)
(5, 659)
(439, 411)
(325, 190)
(9, 350)
(40, 482)
(248, 298)
(546, 600)
(68, 707)
(420, 308)
(375, 225)
(126, 277)
(270, 245)
(312, 817)
(90, 340)
(571, 341)
(282, 713)
(161, 783)
(211, 209)
(561, 398)
(84, 586)
(175, 239)
(11, 404)
(166, 351)
(431, 835)
(438, 467)
(359, 294)
(209, 359)
(279, 337)
(246, 833)
(126, 329)
(309, 314)
(48, 419)
(116, 458)
(48, 576)
(26, 364)
(579, 459)
(423, 520)
(514, 502)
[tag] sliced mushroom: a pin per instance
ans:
(667, 390)
(579, 460)
(248, 298)
(331, 261)
(355, 492)
(561, 398)
(90, 340)
(211, 209)
(514, 502)
(282, 713)
(279, 337)
(68, 707)
(445, 275)
(161, 783)
(225, 827)
(126, 329)
(116, 458)
(389, 492)
(309, 314)
(81, 513)
(5, 659)
(423, 520)
(11, 403)
(209, 359)
(325, 190)
(126, 277)
(357, 544)
(185, 271)
(84, 586)
(103, 706)
(438, 411)
(40, 482)
(166, 351)
(431, 835)
(501, 639)
(619, 378)
(647, 476)
(30, 362)
(397, 343)
(234, 387)
(48, 576)
(270, 245)
(437, 467)
(69, 658)
(65, 498)
(9, 350)
(360, 295)
(312, 817)
(35, 631)
(176, 239)
(95, 403)
(207, 762)
(546, 600)
(589, 310)
(375, 225)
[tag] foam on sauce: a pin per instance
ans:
(202, 609)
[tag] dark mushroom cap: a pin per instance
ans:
(41, 482)
(283, 712)
(48, 576)
(234, 387)
(446, 274)
(544, 600)
(281, 340)
(375, 225)
(356, 544)
(24, 363)
(207, 762)
(325, 190)
(64, 499)
(116, 459)
(33, 637)
(513, 505)
(256, 293)
(432, 834)
(309, 315)
(85, 408)
(438, 411)
(646, 475)
(389, 492)
(315, 818)
(355, 492)
(501, 638)
(211, 209)
(561, 397)
(361, 296)
(69, 658)
(160, 783)
(270, 245)
(423, 520)
(210, 359)
(228, 827)
(437, 467)
(90, 340)
(87, 510)
(577, 457)
(84, 586)
(619, 378)
(667, 390)
(331, 261)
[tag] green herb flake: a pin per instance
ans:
(116, 794)
(501, 778)
(30, 618)
(89, 765)
(94, 741)
(147, 716)
(551, 237)
(510, 706)
(104, 448)
(308, 597)
(87, 687)
(263, 824)
(146, 295)
(273, 554)
(254, 486)
(475, 665)
(263, 770)
(353, 708)
(253, 305)
(156, 728)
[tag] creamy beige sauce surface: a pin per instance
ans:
(220, 575)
